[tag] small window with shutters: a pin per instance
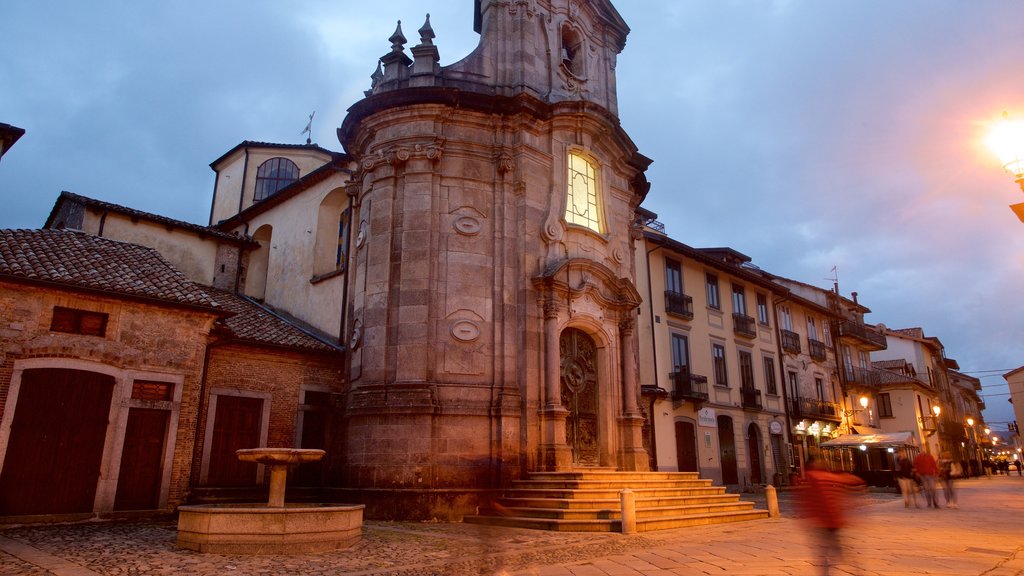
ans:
(74, 321)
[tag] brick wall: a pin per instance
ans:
(159, 342)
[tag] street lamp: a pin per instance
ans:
(932, 426)
(1006, 139)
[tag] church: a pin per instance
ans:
(445, 306)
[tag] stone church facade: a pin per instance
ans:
(492, 297)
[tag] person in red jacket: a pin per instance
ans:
(926, 467)
(824, 502)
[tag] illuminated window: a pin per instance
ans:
(582, 206)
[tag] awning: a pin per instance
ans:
(888, 439)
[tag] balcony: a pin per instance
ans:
(867, 337)
(790, 341)
(744, 325)
(816, 409)
(686, 386)
(816, 349)
(866, 377)
(679, 304)
(751, 398)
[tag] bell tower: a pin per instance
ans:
(491, 296)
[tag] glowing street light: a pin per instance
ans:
(1006, 140)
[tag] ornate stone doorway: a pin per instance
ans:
(579, 395)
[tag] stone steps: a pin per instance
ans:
(589, 501)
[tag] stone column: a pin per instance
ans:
(633, 457)
(555, 453)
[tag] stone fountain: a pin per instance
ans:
(273, 528)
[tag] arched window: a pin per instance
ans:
(332, 234)
(582, 207)
(273, 175)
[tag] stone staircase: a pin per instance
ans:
(589, 501)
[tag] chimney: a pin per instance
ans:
(854, 294)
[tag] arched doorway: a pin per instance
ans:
(55, 449)
(754, 451)
(727, 450)
(579, 395)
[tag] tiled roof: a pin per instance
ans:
(252, 322)
(893, 377)
(133, 213)
(258, 144)
(889, 364)
(912, 332)
(84, 261)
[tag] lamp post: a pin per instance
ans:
(1006, 139)
(975, 448)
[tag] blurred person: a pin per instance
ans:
(1017, 464)
(908, 485)
(949, 471)
(824, 500)
(928, 470)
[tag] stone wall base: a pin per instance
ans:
(444, 505)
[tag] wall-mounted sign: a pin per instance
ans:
(706, 417)
(775, 427)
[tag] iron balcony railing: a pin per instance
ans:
(856, 376)
(790, 341)
(750, 398)
(744, 325)
(866, 336)
(679, 304)
(816, 349)
(818, 409)
(686, 386)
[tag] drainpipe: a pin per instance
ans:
(654, 350)
(238, 265)
(782, 368)
(344, 285)
(103, 222)
(245, 172)
(200, 416)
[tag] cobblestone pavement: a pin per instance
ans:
(984, 537)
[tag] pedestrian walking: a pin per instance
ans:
(928, 470)
(1017, 464)
(949, 471)
(908, 485)
(824, 502)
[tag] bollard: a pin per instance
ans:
(772, 499)
(628, 511)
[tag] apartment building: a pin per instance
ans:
(919, 399)
(708, 343)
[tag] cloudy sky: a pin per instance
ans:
(806, 134)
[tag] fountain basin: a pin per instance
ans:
(262, 529)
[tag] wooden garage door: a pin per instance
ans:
(55, 448)
(236, 425)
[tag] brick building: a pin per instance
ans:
(123, 384)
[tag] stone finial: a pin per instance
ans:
(375, 80)
(398, 39)
(426, 33)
